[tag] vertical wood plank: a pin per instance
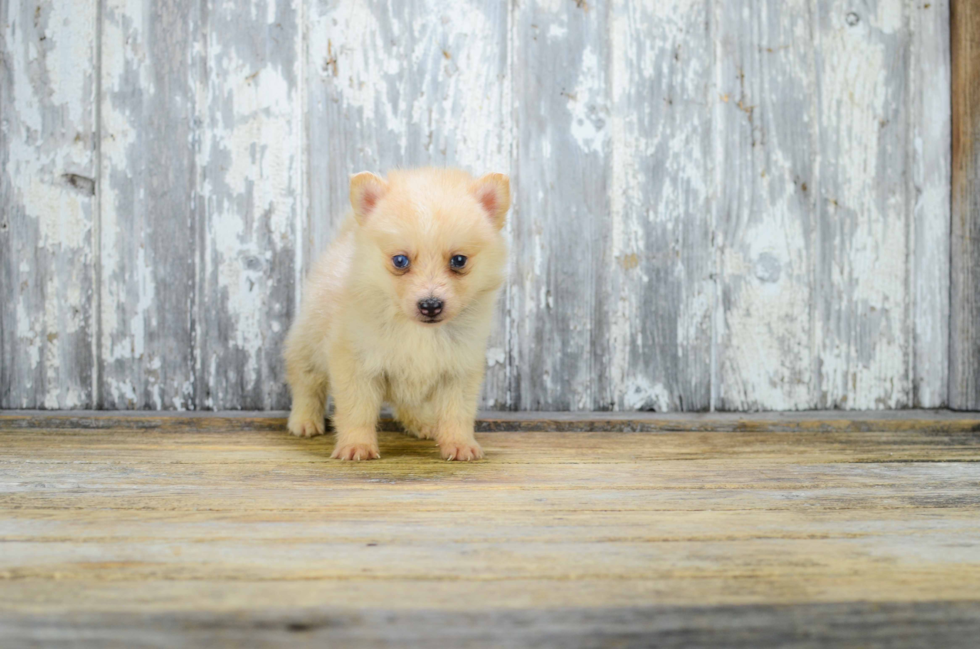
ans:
(964, 355)
(929, 201)
(253, 188)
(47, 214)
(862, 305)
(654, 277)
(407, 84)
(561, 57)
(150, 78)
(764, 181)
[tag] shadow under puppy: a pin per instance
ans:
(398, 309)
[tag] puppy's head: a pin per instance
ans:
(429, 245)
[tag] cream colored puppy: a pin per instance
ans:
(398, 309)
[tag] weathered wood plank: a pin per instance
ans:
(47, 203)
(964, 351)
(407, 84)
(862, 301)
(929, 202)
(487, 421)
(253, 186)
(561, 202)
(851, 625)
(146, 537)
(787, 248)
(765, 218)
(150, 205)
(653, 286)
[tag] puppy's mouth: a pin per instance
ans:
(430, 320)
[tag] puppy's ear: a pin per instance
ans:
(493, 193)
(366, 190)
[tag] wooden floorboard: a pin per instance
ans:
(160, 531)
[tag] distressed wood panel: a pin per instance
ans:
(929, 202)
(407, 84)
(861, 60)
(854, 625)
(736, 207)
(47, 203)
(150, 209)
(654, 287)
(964, 357)
(561, 203)
(222, 532)
(764, 176)
(253, 188)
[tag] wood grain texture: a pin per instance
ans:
(964, 355)
(407, 84)
(150, 204)
(715, 206)
(897, 421)
(47, 203)
(842, 626)
(654, 289)
(252, 185)
(561, 203)
(929, 202)
(861, 270)
(227, 532)
(765, 219)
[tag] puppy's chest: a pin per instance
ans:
(416, 362)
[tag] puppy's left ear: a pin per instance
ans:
(492, 192)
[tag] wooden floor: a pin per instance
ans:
(807, 531)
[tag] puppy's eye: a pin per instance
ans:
(457, 262)
(400, 262)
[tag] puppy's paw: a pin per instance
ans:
(302, 425)
(356, 452)
(461, 451)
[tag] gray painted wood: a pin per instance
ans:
(47, 203)
(561, 174)
(150, 207)
(715, 207)
(765, 218)
(654, 289)
(862, 237)
(929, 202)
(964, 353)
(253, 189)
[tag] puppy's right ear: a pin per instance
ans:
(366, 190)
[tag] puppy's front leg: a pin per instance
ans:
(357, 400)
(455, 403)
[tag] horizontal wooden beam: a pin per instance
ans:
(808, 421)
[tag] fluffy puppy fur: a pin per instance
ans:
(373, 328)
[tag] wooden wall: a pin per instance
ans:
(964, 385)
(717, 204)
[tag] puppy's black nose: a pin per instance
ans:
(430, 307)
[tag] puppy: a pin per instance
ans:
(398, 309)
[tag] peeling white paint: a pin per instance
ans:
(495, 356)
(868, 269)
(641, 394)
(47, 119)
(682, 127)
(589, 105)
